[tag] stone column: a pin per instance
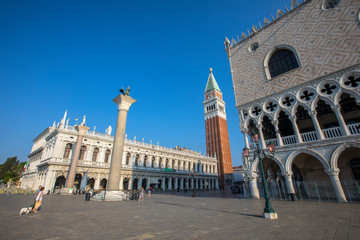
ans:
(81, 130)
(289, 183)
(217, 184)
(246, 138)
(334, 176)
(277, 131)
(319, 132)
(123, 102)
(121, 183)
(344, 129)
(170, 183)
(163, 184)
(254, 187)
(130, 185)
(181, 183)
(296, 129)
(139, 183)
(148, 183)
(261, 136)
(97, 182)
(48, 180)
(176, 183)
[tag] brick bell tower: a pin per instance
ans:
(217, 136)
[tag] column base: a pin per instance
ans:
(271, 215)
(66, 191)
(109, 196)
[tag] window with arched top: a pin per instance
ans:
(145, 160)
(137, 160)
(82, 152)
(67, 152)
(153, 162)
(282, 61)
(160, 163)
(178, 166)
(128, 158)
(95, 154)
(107, 155)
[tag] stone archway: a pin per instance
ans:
(60, 182)
(144, 183)
(90, 183)
(135, 184)
(103, 183)
(77, 181)
(126, 184)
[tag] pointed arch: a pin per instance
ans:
(336, 153)
(348, 91)
(293, 155)
(255, 164)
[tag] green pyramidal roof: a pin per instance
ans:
(211, 83)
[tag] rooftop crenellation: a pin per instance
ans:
(255, 29)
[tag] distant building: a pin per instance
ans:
(296, 80)
(217, 136)
(239, 175)
(144, 164)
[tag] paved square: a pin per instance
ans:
(176, 216)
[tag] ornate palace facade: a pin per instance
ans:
(144, 164)
(296, 82)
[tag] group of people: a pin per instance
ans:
(38, 199)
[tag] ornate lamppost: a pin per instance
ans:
(269, 212)
(193, 174)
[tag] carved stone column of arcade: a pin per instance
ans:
(319, 132)
(181, 183)
(277, 132)
(254, 187)
(261, 135)
(246, 138)
(176, 183)
(81, 130)
(217, 184)
(334, 176)
(163, 184)
(113, 192)
(296, 129)
(344, 129)
(289, 183)
(170, 183)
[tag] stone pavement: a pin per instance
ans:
(211, 215)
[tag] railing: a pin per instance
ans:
(70, 128)
(332, 132)
(309, 136)
(354, 128)
(272, 141)
(289, 140)
(306, 190)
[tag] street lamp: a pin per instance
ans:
(193, 174)
(269, 212)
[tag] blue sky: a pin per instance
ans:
(76, 55)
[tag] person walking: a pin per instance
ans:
(38, 200)
(141, 197)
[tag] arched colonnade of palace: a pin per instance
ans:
(343, 164)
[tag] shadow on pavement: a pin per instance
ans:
(209, 209)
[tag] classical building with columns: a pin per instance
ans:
(144, 164)
(296, 80)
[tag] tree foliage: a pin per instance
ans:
(11, 169)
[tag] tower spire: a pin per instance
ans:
(211, 83)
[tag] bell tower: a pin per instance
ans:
(217, 136)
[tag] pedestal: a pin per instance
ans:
(109, 196)
(271, 215)
(66, 191)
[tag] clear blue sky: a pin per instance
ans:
(76, 55)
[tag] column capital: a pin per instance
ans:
(313, 114)
(332, 172)
(336, 108)
(81, 129)
(288, 174)
(124, 102)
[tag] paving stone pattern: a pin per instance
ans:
(211, 215)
